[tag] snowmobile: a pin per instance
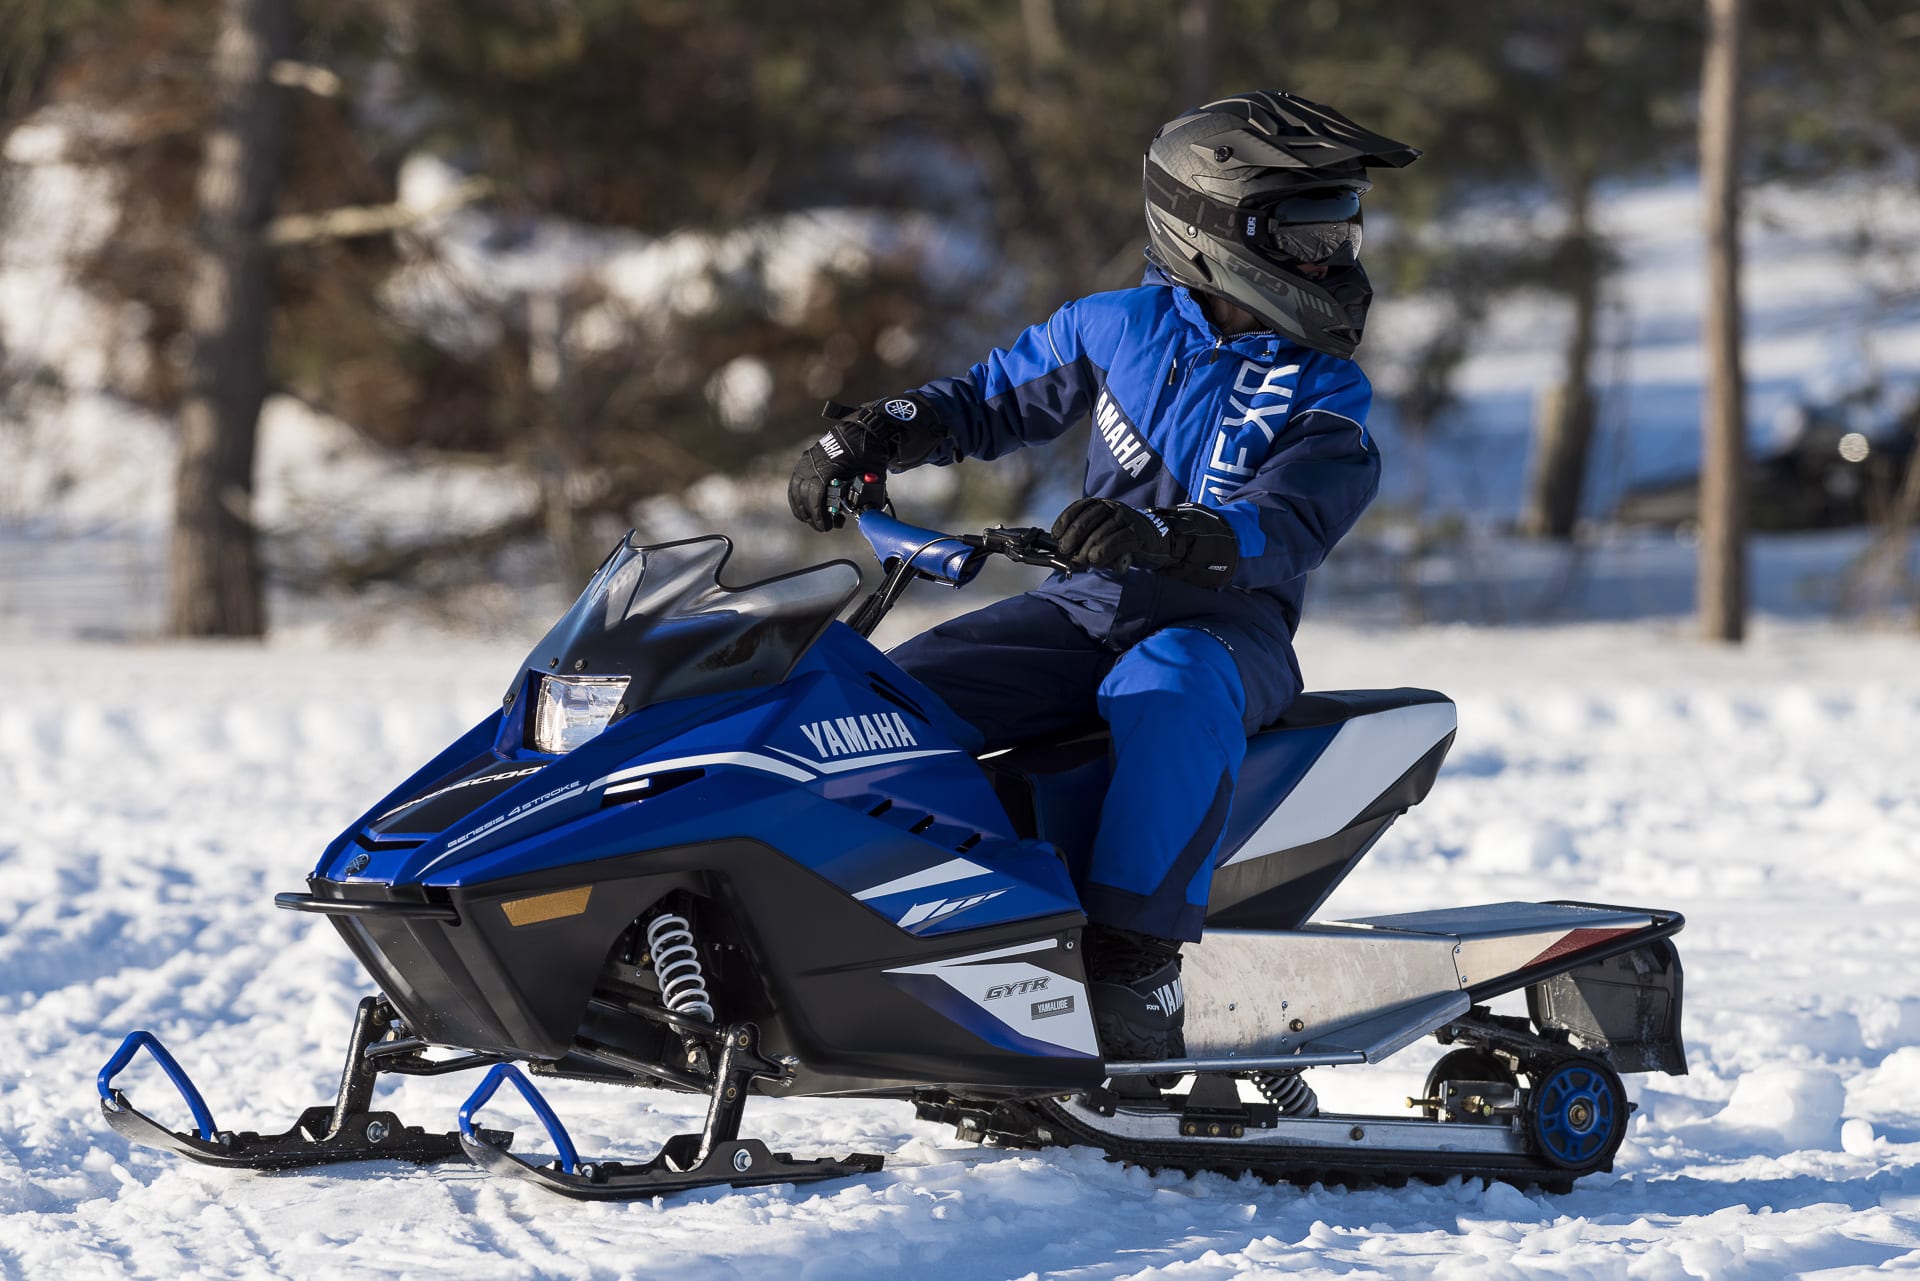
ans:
(713, 841)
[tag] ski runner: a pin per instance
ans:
(1229, 454)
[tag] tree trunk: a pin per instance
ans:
(1723, 507)
(216, 573)
(1564, 435)
(559, 461)
(1199, 23)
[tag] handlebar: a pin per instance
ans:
(910, 552)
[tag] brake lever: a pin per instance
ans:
(1023, 546)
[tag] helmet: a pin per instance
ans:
(1244, 191)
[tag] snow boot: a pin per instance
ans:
(1139, 1010)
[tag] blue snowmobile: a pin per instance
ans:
(713, 841)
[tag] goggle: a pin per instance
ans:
(1320, 225)
(1315, 227)
(1337, 244)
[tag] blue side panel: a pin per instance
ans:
(853, 850)
(557, 790)
(1276, 762)
(841, 649)
(845, 768)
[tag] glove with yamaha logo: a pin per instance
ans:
(1191, 543)
(853, 457)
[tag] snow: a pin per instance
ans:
(156, 797)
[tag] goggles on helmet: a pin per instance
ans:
(1318, 225)
(1315, 227)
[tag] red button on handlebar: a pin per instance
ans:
(871, 478)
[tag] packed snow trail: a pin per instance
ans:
(152, 800)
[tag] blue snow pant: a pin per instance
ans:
(1179, 708)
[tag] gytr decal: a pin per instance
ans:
(1257, 410)
(999, 990)
(1129, 451)
(922, 913)
(846, 735)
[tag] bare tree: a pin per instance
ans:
(216, 571)
(1198, 25)
(1567, 414)
(1723, 508)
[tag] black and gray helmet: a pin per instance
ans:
(1243, 191)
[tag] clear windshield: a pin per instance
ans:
(660, 616)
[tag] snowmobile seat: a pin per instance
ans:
(1295, 830)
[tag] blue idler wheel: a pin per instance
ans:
(1577, 1114)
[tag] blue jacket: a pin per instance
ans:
(1270, 434)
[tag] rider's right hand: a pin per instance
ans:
(862, 443)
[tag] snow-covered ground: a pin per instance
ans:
(152, 799)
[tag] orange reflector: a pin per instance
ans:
(547, 907)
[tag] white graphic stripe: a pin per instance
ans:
(958, 869)
(1018, 949)
(493, 825)
(745, 760)
(864, 762)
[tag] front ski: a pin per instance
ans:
(346, 1130)
(715, 1157)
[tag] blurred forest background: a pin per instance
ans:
(516, 275)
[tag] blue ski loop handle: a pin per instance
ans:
(569, 1158)
(135, 1041)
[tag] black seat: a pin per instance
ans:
(1070, 748)
(1330, 707)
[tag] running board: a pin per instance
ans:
(1375, 985)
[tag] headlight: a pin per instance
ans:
(572, 709)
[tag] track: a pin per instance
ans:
(1333, 1149)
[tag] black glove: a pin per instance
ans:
(859, 447)
(1193, 544)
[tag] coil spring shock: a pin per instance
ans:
(1286, 1091)
(676, 963)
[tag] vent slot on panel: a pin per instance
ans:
(894, 696)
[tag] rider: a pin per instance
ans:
(1229, 454)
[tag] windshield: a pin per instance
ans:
(660, 616)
